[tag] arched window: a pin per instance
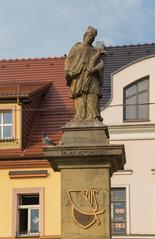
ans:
(136, 101)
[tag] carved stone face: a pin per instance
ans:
(88, 38)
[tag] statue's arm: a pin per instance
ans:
(67, 66)
(97, 68)
(68, 61)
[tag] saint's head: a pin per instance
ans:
(89, 35)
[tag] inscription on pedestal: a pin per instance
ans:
(83, 152)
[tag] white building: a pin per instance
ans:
(130, 116)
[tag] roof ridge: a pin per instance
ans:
(132, 45)
(31, 59)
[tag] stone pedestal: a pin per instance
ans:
(86, 161)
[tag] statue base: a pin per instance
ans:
(86, 161)
(84, 132)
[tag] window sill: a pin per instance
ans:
(136, 121)
(9, 143)
(28, 235)
(8, 140)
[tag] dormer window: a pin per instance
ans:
(136, 101)
(6, 125)
(18, 102)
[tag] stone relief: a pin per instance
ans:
(85, 207)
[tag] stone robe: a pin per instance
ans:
(84, 88)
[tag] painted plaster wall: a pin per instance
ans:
(141, 185)
(139, 145)
(113, 113)
(52, 200)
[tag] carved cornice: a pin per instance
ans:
(68, 156)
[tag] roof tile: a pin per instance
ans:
(22, 88)
(57, 108)
(30, 75)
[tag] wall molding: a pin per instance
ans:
(40, 237)
(132, 131)
(16, 164)
(28, 174)
(132, 236)
(113, 237)
(124, 172)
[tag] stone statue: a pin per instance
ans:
(83, 69)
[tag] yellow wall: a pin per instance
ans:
(17, 123)
(52, 200)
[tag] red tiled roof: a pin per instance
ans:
(22, 88)
(56, 108)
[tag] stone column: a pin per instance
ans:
(86, 161)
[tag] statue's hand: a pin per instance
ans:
(67, 73)
(73, 74)
(91, 71)
(101, 52)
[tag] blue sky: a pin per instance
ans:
(48, 28)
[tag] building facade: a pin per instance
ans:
(130, 117)
(34, 102)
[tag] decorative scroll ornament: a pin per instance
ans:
(84, 207)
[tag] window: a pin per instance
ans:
(136, 100)
(28, 206)
(28, 214)
(118, 211)
(6, 125)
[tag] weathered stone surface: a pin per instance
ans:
(86, 161)
(83, 70)
(68, 155)
(81, 180)
(84, 132)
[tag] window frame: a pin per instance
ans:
(3, 124)
(136, 104)
(15, 219)
(9, 109)
(29, 207)
(128, 229)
